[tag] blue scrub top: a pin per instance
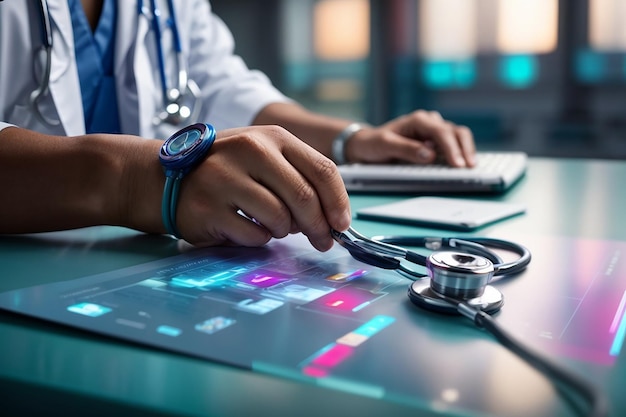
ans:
(94, 58)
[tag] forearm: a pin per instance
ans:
(315, 129)
(55, 183)
(421, 137)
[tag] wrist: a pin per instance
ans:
(340, 142)
(141, 187)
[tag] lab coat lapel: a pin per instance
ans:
(135, 85)
(64, 83)
(126, 87)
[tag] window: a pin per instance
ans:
(326, 55)
(544, 76)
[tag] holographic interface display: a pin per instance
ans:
(327, 319)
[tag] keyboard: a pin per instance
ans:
(494, 172)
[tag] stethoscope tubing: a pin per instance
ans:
(384, 251)
(158, 35)
(46, 49)
(477, 245)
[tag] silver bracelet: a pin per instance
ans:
(339, 143)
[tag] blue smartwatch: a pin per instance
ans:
(179, 154)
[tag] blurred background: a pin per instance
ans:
(544, 76)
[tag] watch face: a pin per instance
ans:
(182, 151)
(183, 142)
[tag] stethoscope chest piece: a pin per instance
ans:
(456, 278)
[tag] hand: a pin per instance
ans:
(281, 184)
(420, 137)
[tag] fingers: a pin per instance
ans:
(309, 186)
(455, 143)
(466, 141)
(281, 184)
(435, 136)
(385, 146)
(208, 212)
(313, 190)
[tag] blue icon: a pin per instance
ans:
(374, 326)
(169, 331)
(202, 279)
(89, 309)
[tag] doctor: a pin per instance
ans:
(89, 89)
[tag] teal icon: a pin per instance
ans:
(89, 309)
(169, 331)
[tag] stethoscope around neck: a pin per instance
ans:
(459, 271)
(181, 102)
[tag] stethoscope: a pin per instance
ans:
(43, 58)
(458, 281)
(461, 269)
(181, 102)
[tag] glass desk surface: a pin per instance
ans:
(177, 331)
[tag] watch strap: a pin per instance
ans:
(168, 204)
(339, 143)
(176, 169)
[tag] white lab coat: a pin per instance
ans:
(231, 94)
